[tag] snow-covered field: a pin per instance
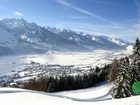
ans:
(92, 96)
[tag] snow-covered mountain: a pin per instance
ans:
(20, 36)
(91, 41)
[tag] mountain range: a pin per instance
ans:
(20, 36)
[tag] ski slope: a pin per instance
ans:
(92, 96)
(100, 92)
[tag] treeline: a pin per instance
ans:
(68, 82)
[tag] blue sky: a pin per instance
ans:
(114, 18)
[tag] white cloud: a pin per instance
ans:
(62, 2)
(18, 13)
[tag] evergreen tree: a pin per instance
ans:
(123, 82)
(136, 61)
(97, 70)
(51, 85)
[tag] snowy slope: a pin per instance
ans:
(99, 92)
(6, 37)
(11, 96)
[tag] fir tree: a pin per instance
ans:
(136, 61)
(123, 82)
(51, 85)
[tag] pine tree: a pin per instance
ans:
(136, 61)
(123, 82)
(51, 85)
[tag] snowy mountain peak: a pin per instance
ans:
(54, 30)
(14, 22)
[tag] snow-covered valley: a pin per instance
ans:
(92, 59)
(24, 67)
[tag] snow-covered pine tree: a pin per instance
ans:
(136, 61)
(123, 82)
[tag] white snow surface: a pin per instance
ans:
(117, 42)
(99, 92)
(129, 49)
(91, 96)
(24, 37)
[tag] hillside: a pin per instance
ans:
(92, 96)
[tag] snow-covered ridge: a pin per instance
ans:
(94, 37)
